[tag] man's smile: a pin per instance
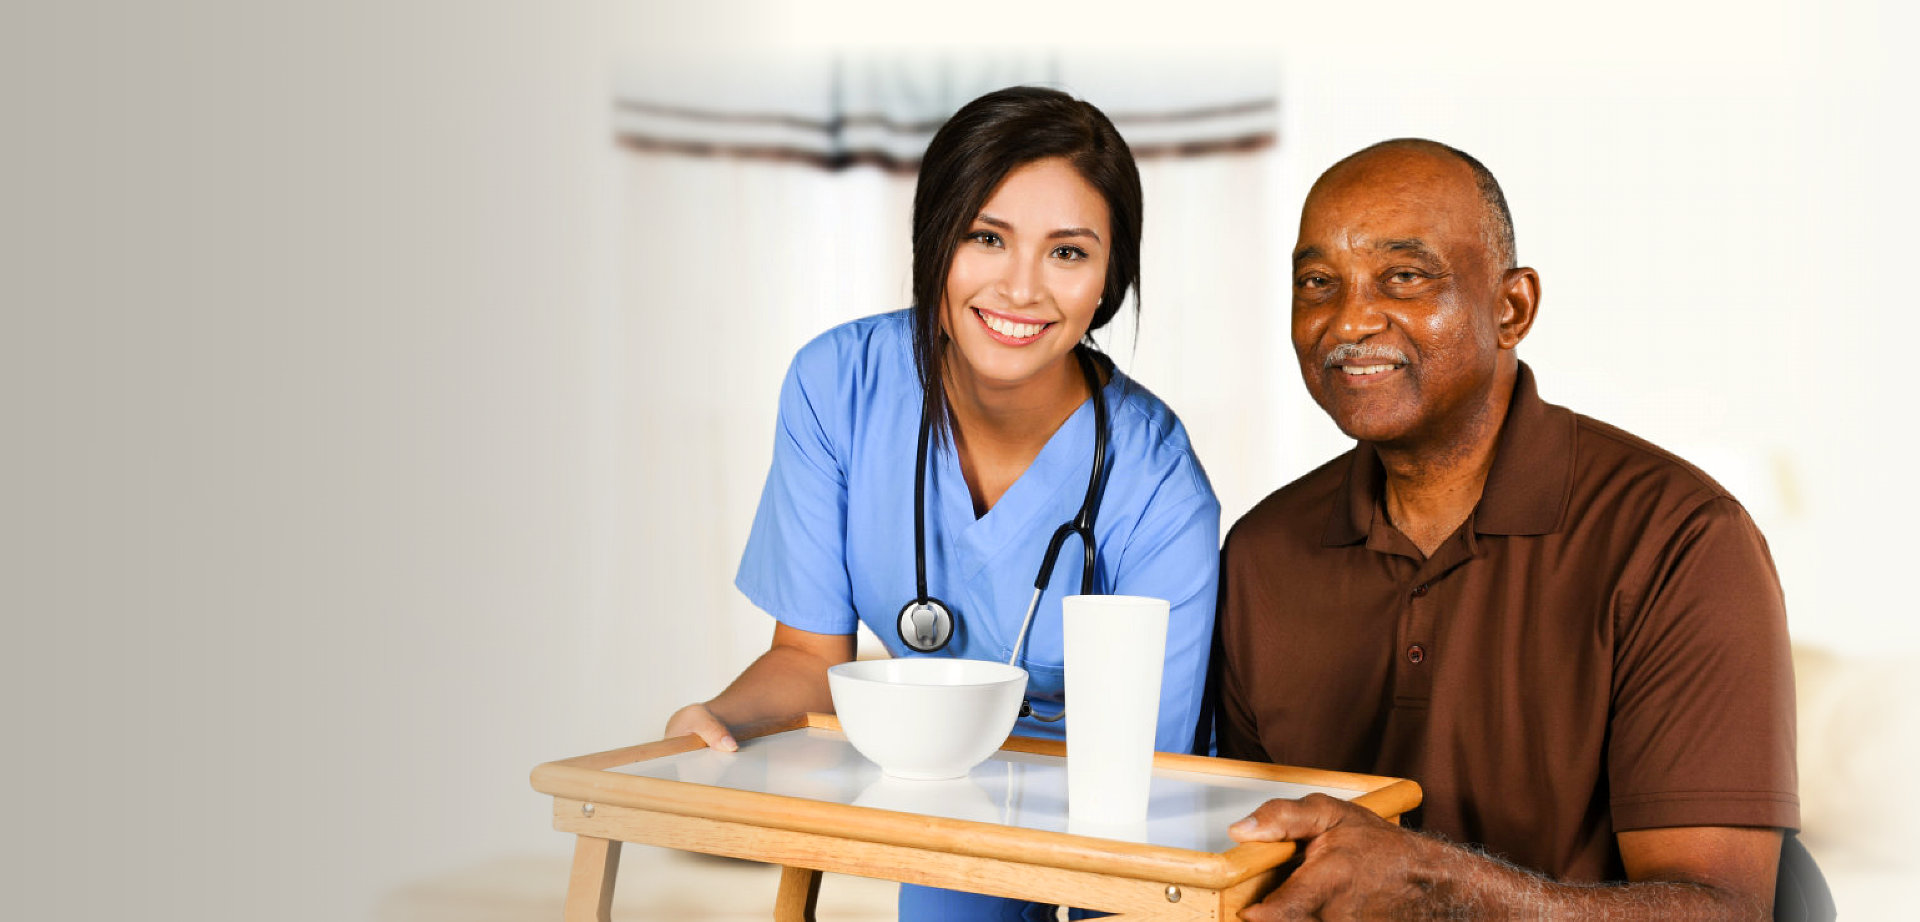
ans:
(1367, 362)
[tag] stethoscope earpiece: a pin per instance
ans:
(926, 625)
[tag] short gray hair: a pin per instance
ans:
(1496, 226)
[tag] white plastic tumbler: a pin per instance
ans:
(1115, 645)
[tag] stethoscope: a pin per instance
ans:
(926, 624)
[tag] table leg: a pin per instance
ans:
(590, 887)
(799, 891)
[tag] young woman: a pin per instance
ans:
(925, 458)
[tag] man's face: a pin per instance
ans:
(1397, 304)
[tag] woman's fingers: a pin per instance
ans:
(697, 720)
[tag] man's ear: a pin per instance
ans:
(1519, 301)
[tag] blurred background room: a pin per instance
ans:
(390, 385)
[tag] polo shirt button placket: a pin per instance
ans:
(1417, 653)
(1413, 686)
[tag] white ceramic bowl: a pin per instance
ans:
(926, 717)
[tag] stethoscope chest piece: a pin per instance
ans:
(926, 625)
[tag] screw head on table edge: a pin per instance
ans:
(586, 809)
(1173, 894)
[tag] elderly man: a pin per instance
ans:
(1573, 640)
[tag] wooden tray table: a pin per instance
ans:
(798, 795)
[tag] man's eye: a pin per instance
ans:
(1405, 277)
(1311, 281)
(1070, 253)
(985, 238)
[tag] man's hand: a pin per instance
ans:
(1355, 865)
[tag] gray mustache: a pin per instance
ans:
(1346, 353)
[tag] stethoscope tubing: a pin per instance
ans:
(933, 623)
(1082, 523)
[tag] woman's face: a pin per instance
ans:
(1025, 281)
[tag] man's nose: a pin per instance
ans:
(1357, 314)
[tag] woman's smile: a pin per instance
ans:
(1011, 331)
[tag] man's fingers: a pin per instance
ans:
(1290, 820)
(1308, 891)
(1296, 899)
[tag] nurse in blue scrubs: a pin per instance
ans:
(1026, 238)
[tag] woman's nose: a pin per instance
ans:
(1020, 281)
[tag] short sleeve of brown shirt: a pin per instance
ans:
(1601, 646)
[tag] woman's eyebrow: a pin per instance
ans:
(998, 224)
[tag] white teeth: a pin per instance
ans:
(1006, 327)
(1366, 369)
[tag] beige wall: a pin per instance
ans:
(307, 442)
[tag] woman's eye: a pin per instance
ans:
(1069, 253)
(985, 238)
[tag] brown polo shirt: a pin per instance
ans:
(1601, 646)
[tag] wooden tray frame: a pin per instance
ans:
(1135, 880)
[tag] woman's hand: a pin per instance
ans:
(697, 720)
(789, 679)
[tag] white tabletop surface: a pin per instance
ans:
(1189, 810)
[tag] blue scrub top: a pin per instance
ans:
(832, 540)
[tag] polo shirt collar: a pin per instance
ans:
(1527, 487)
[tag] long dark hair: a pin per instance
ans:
(968, 158)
